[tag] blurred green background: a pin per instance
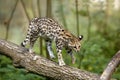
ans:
(97, 20)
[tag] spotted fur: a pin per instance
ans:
(50, 30)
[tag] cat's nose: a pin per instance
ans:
(76, 50)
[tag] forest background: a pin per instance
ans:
(97, 20)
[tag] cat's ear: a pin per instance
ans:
(80, 37)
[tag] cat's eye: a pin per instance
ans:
(74, 46)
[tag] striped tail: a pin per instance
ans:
(27, 38)
(22, 44)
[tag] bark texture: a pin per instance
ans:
(42, 66)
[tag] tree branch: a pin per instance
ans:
(106, 75)
(42, 66)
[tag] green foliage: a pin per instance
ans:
(93, 54)
(8, 72)
(96, 53)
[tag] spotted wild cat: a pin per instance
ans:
(50, 30)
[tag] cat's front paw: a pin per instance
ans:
(52, 56)
(31, 51)
(61, 63)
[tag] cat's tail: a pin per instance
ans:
(27, 39)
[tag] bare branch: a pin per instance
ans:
(40, 39)
(62, 14)
(7, 23)
(77, 17)
(42, 66)
(25, 10)
(106, 75)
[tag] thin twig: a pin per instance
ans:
(77, 17)
(8, 22)
(49, 8)
(25, 10)
(38, 5)
(89, 21)
(40, 39)
(62, 13)
(49, 14)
